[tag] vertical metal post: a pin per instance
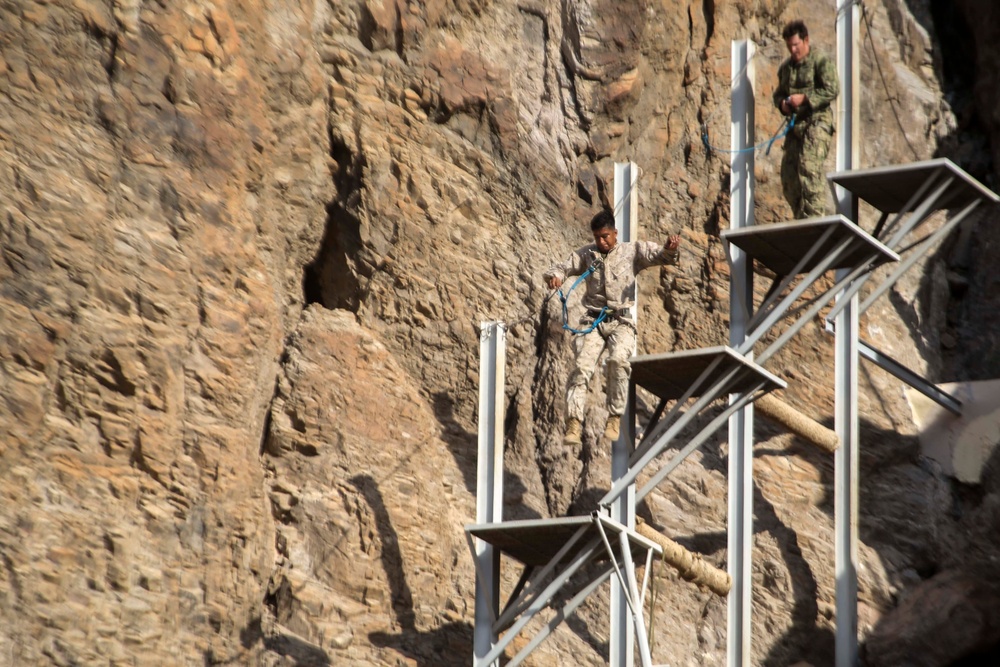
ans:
(741, 184)
(489, 482)
(846, 354)
(623, 509)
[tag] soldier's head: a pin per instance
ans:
(603, 227)
(796, 36)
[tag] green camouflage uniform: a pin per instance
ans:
(611, 286)
(802, 167)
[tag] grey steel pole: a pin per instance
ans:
(741, 185)
(622, 631)
(489, 483)
(846, 354)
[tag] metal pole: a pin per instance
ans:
(741, 184)
(846, 354)
(489, 483)
(622, 631)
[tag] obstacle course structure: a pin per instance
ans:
(563, 560)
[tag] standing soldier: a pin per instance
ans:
(610, 269)
(807, 86)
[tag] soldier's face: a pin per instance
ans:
(606, 238)
(797, 47)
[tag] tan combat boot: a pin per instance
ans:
(611, 428)
(574, 431)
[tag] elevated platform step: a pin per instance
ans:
(890, 188)
(671, 375)
(781, 247)
(553, 552)
(536, 542)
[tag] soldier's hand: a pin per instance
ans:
(554, 282)
(672, 244)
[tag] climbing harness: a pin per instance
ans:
(785, 128)
(565, 297)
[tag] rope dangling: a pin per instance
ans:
(779, 134)
(786, 127)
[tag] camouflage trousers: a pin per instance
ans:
(803, 177)
(619, 338)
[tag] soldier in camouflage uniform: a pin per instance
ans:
(807, 86)
(611, 288)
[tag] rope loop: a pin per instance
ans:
(565, 309)
(785, 128)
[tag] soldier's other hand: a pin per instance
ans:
(673, 243)
(796, 100)
(554, 282)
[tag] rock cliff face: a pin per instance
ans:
(246, 247)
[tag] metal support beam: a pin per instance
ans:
(567, 610)
(846, 486)
(622, 631)
(535, 582)
(740, 518)
(920, 252)
(926, 208)
(742, 400)
(928, 389)
(718, 389)
(588, 545)
(541, 600)
(846, 352)
(489, 483)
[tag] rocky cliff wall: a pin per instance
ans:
(246, 249)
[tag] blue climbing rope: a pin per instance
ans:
(786, 127)
(565, 310)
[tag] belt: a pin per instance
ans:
(620, 313)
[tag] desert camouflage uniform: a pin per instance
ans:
(802, 166)
(612, 286)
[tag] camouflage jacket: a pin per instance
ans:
(816, 76)
(612, 284)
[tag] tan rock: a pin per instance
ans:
(245, 253)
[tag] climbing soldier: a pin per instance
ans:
(609, 269)
(807, 86)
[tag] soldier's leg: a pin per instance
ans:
(815, 149)
(587, 348)
(791, 185)
(621, 346)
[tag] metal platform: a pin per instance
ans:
(890, 188)
(780, 247)
(907, 195)
(535, 542)
(671, 375)
(704, 375)
(553, 552)
(802, 252)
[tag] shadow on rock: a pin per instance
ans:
(464, 447)
(804, 640)
(300, 651)
(446, 646)
(449, 644)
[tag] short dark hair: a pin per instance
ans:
(797, 27)
(603, 220)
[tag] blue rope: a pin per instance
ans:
(770, 142)
(565, 310)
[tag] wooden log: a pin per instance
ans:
(796, 422)
(689, 565)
